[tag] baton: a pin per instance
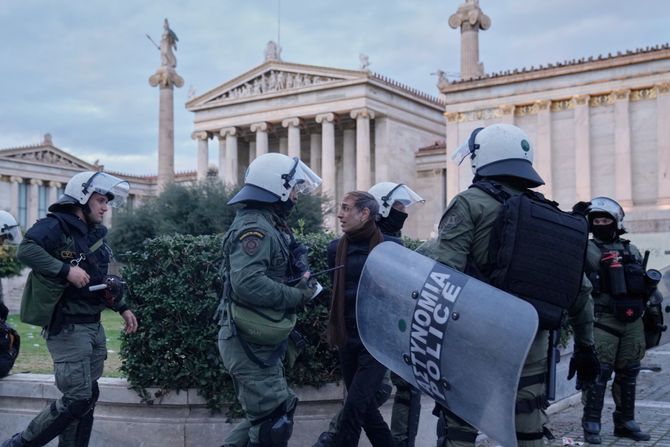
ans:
(97, 287)
(292, 281)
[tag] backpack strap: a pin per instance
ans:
(66, 230)
(492, 188)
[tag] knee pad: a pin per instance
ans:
(276, 431)
(78, 408)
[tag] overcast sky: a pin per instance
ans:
(79, 69)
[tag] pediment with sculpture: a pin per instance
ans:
(46, 156)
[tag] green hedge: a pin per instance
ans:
(175, 287)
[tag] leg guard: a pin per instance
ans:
(593, 405)
(276, 430)
(624, 415)
(85, 426)
(54, 425)
(14, 441)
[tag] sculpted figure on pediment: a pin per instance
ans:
(272, 81)
(289, 80)
(281, 80)
(256, 87)
(299, 81)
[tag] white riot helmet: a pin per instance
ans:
(607, 206)
(500, 150)
(81, 187)
(387, 193)
(271, 177)
(9, 228)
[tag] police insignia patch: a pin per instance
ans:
(452, 221)
(251, 241)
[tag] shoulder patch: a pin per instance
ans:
(251, 241)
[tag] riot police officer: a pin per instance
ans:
(68, 252)
(614, 266)
(501, 155)
(258, 307)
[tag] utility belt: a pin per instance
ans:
(81, 319)
(624, 309)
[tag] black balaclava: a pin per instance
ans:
(392, 225)
(283, 209)
(604, 233)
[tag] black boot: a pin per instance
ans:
(14, 441)
(624, 416)
(595, 395)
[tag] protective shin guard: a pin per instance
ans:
(14, 441)
(624, 416)
(413, 416)
(55, 427)
(595, 395)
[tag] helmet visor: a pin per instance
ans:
(403, 194)
(304, 179)
(459, 154)
(12, 233)
(114, 188)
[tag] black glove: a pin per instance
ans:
(307, 287)
(299, 259)
(581, 208)
(585, 363)
(113, 294)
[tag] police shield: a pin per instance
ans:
(663, 298)
(455, 338)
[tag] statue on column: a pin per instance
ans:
(168, 42)
(272, 51)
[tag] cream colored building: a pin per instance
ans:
(353, 127)
(32, 177)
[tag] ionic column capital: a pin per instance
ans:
(451, 117)
(327, 117)
(663, 89)
(228, 131)
(506, 109)
(34, 181)
(580, 100)
(53, 184)
(261, 127)
(291, 122)
(363, 112)
(542, 104)
(200, 135)
(622, 94)
(16, 179)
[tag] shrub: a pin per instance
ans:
(175, 287)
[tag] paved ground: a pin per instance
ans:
(652, 408)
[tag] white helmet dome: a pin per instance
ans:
(81, 187)
(388, 193)
(500, 150)
(9, 228)
(608, 206)
(271, 177)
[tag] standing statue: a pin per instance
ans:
(272, 51)
(168, 42)
(364, 59)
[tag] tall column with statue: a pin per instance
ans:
(470, 19)
(166, 78)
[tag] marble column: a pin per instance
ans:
(328, 185)
(506, 113)
(582, 148)
(382, 150)
(470, 19)
(315, 152)
(293, 125)
(348, 160)
(222, 156)
(261, 130)
(252, 151)
(203, 154)
(52, 193)
(14, 202)
(363, 166)
(33, 201)
(230, 133)
(542, 161)
(663, 143)
(453, 170)
(283, 145)
(623, 186)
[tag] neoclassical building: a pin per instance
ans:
(353, 127)
(33, 176)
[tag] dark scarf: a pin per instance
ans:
(337, 334)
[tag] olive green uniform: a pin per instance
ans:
(620, 346)
(256, 258)
(464, 234)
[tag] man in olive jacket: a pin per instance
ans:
(257, 311)
(503, 154)
(68, 250)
